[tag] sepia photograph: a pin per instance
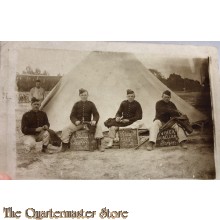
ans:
(102, 110)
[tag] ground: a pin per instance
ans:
(197, 162)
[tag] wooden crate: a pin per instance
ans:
(79, 141)
(167, 137)
(128, 138)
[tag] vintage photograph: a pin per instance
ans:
(102, 113)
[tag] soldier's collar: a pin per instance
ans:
(34, 111)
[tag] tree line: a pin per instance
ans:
(26, 82)
(29, 71)
(175, 82)
(27, 79)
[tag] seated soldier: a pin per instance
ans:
(165, 110)
(83, 111)
(128, 114)
(34, 126)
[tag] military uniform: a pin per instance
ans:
(83, 112)
(164, 112)
(30, 121)
(37, 93)
(129, 110)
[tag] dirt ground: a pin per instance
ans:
(197, 162)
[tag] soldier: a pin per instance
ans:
(128, 114)
(83, 111)
(38, 92)
(34, 126)
(165, 110)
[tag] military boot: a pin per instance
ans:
(183, 145)
(150, 146)
(99, 145)
(65, 146)
(110, 143)
(44, 149)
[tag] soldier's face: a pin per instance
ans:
(166, 98)
(84, 96)
(37, 84)
(131, 97)
(35, 106)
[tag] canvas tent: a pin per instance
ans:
(107, 76)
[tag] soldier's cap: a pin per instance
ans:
(129, 91)
(82, 90)
(34, 100)
(167, 92)
(37, 80)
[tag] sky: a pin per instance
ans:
(196, 43)
(63, 61)
(53, 61)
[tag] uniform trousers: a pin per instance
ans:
(71, 128)
(30, 140)
(155, 129)
(113, 129)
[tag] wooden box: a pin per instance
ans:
(79, 141)
(167, 137)
(128, 138)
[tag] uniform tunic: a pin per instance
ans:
(38, 93)
(32, 120)
(130, 110)
(83, 111)
(164, 111)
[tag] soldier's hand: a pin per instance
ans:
(118, 119)
(93, 123)
(77, 122)
(45, 127)
(125, 120)
(39, 129)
